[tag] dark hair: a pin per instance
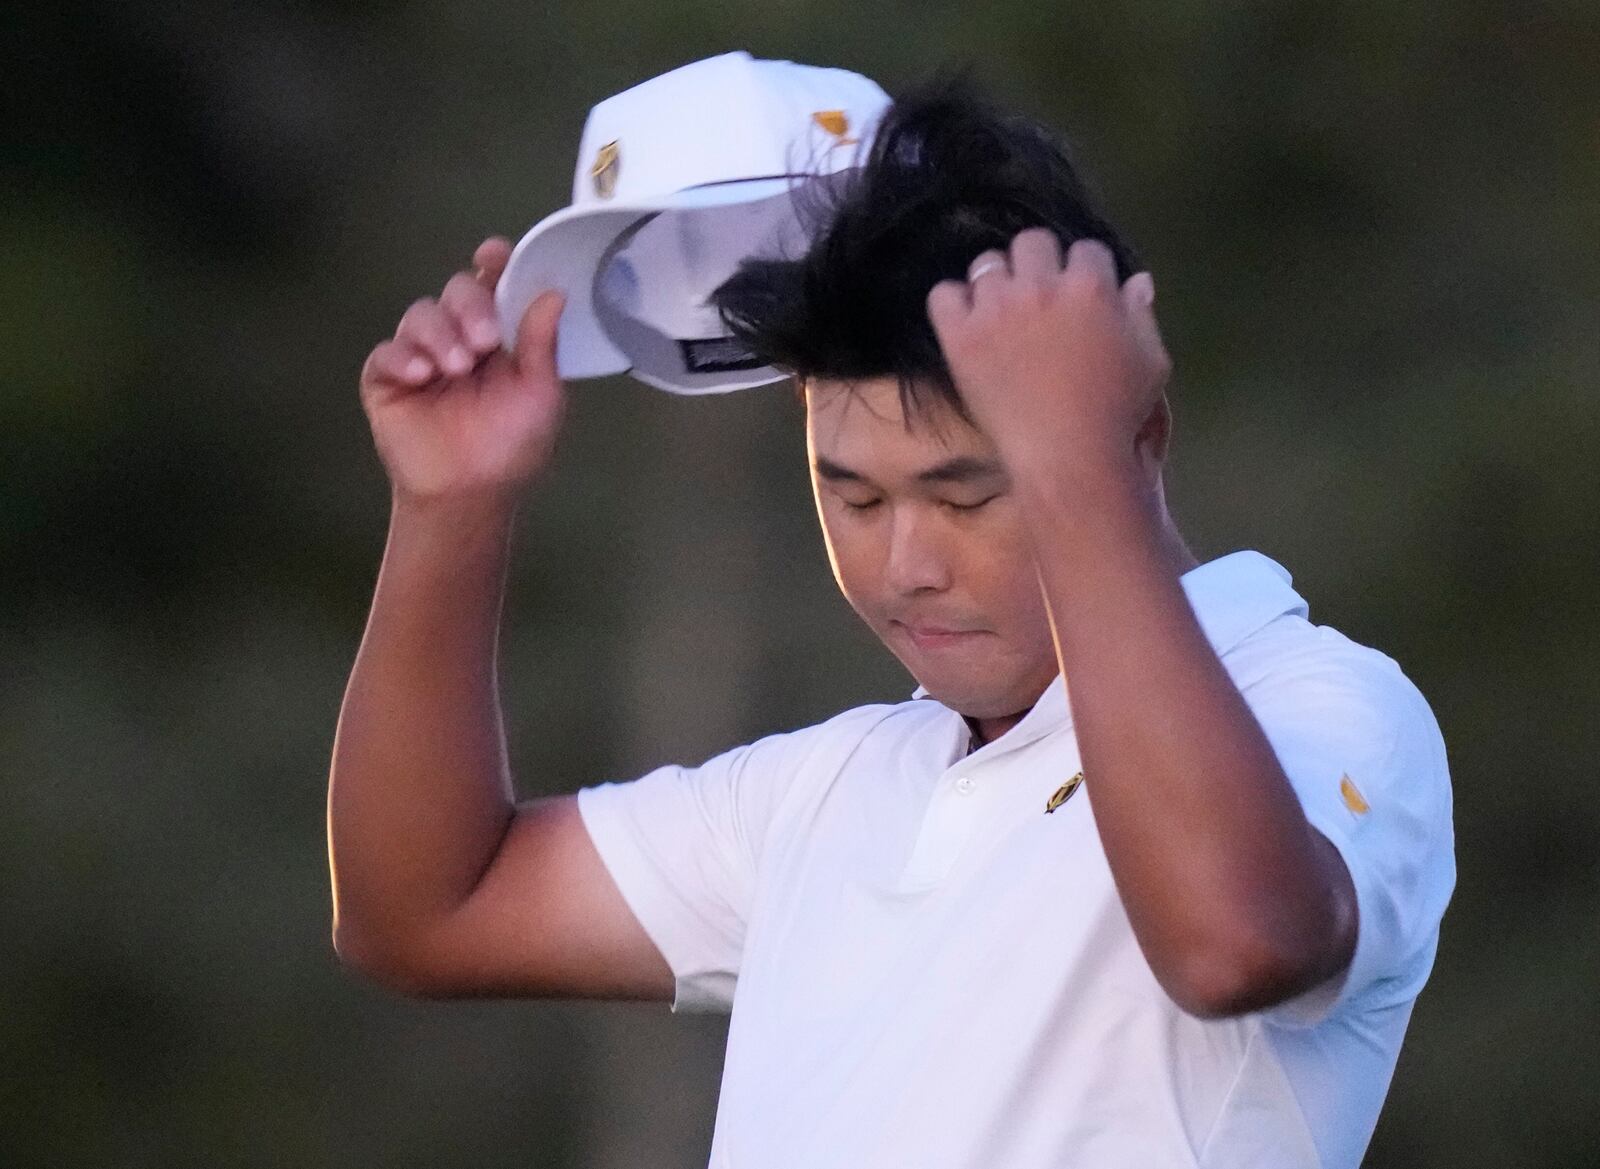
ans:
(948, 175)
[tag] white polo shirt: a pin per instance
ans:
(928, 970)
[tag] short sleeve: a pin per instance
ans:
(1363, 751)
(683, 844)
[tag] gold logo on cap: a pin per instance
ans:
(1064, 792)
(607, 160)
(836, 123)
(1353, 799)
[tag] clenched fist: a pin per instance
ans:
(1059, 364)
(453, 414)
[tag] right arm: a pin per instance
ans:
(442, 885)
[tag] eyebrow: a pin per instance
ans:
(961, 469)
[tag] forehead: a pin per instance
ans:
(861, 424)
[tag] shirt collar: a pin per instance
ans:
(1232, 596)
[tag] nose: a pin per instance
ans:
(917, 561)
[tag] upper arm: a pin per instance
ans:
(545, 921)
(640, 889)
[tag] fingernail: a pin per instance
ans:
(484, 333)
(458, 360)
(417, 369)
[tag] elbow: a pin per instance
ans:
(1242, 967)
(1225, 981)
(1222, 984)
(392, 967)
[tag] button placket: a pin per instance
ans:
(949, 825)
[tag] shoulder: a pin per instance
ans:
(847, 729)
(1294, 668)
(1355, 736)
(776, 758)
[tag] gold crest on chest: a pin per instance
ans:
(1064, 792)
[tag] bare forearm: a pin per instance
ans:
(1222, 877)
(419, 793)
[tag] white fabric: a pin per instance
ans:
(928, 971)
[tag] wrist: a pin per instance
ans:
(468, 509)
(1083, 497)
(1079, 471)
(459, 534)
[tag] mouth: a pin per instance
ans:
(936, 637)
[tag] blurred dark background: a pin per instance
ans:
(1373, 230)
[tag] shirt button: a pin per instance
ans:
(965, 785)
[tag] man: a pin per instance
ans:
(1149, 872)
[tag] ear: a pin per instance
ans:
(1154, 438)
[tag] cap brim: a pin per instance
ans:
(563, 251)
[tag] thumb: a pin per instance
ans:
(1138, 297)
(535, 349)
(1140, 288)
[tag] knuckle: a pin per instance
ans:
(382, 363)
(1080, 279)
(1091, 255)
(939, 295)
(460, 289)
(416, 315)
(1071, 281)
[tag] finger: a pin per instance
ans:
(988, 274)
(1138, 297)
(427, 326)
(989, 264)
(1140, 288)
(948, 304)
(1036, 254)
(398, 361)
(536, 336)
(1092, 259)
(396, 365)
(471, 308)
(491, 258)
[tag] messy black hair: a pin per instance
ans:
(948, 175)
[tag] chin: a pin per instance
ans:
(974, 702)
(978, 696)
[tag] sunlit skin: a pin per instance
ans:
(925, 534)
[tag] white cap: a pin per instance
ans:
(678, 180)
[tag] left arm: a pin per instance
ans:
(1236, 901)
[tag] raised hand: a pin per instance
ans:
(1056, 363)
(453, 414)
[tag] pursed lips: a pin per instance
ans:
(936, 636)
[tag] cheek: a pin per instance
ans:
(855, 557)
(1000, 572)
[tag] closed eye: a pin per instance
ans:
(867, 506)
(968, 506)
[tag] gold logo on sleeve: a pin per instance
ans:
(1353, 799)
(1064, 792)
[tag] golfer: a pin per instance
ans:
(1149, 870)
